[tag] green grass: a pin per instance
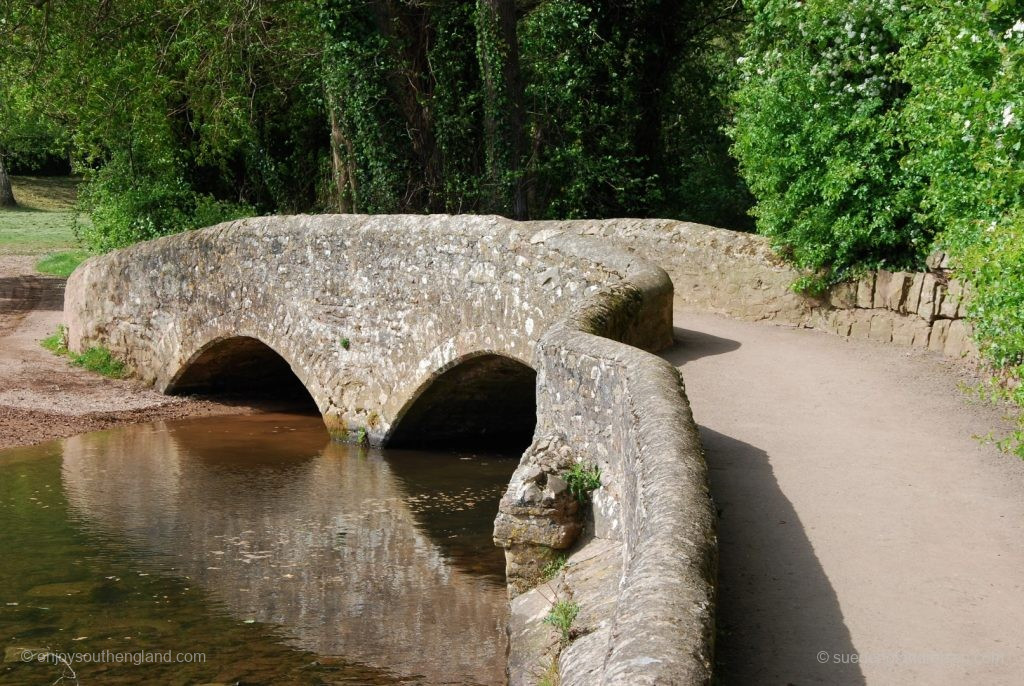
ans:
(45, 219)
(96, 359)
(62, 263)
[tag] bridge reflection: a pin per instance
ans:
(385, 561)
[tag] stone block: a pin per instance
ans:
(926, 308)
(951, 300)
(882, 280)
(839, 322)
(914, 294)
(866, 291)
(936, 260)
(860, 326)
(937, 340)
(881, 327)
(844, 296)
(909, 330)
(959, 341)
(896, 293)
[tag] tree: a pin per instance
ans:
(504, 110)
(6, 192)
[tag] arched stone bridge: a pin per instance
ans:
(399, 327)
(409, 329)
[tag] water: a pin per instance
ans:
(280, 556)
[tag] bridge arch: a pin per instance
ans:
(483, 398)
(240, 364)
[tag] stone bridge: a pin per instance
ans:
(408, 330)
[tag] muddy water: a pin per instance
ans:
(282, 557)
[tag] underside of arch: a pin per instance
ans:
(486, 401)
(241, 365)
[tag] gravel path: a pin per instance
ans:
(866, 537)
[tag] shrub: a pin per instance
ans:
(127, 205)
(871, 132)
(817, 135)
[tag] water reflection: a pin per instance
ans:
(385, 561)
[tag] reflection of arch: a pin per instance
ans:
(483, 398)
(239, 364)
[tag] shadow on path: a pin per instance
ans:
(693, 345)
(777, 609)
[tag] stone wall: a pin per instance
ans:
(738, 275)
(369, 312)
(922, 309)
(643, 575)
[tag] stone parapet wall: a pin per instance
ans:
(643, 576)
(738, 275)
(922, 309)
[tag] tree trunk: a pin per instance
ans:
(341, 162)
(505, 119)
(6, 192)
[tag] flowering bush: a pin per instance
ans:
(818, 139)
(872, 131)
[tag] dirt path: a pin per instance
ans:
(859, 518)
(42, 396)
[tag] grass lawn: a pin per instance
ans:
(45, 219)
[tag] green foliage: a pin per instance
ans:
(62, 263)
(562, 615)
(817, 134)
(583, 479)
(552, 568)
(967, 67)
(128, 205)
(95, 359)
(180, 112)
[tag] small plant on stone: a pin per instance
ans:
(345, 343)
(550, 677)
(562, 615)
(583, 479)
(552, 568)
(361, 437)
